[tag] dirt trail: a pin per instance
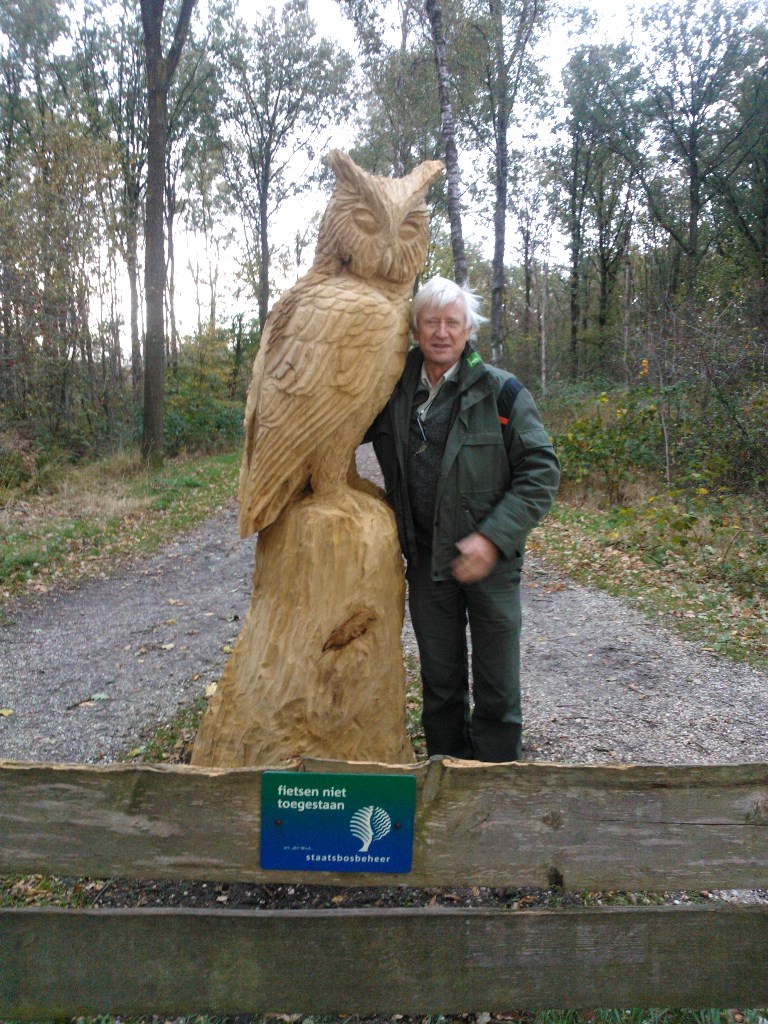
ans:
(88, 671)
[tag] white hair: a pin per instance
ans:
(439, 292)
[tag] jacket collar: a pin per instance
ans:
(471, 370)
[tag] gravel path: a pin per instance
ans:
(87, 672)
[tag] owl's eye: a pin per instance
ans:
(411, 227)
(366, 221)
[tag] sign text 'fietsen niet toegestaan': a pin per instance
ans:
(333, 822)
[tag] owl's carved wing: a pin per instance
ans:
(319, 361)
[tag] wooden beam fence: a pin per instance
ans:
(586, 828)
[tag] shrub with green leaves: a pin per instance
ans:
(621, 435)
(199, 421)
(724, 442)
(14, 471)
(204, 396)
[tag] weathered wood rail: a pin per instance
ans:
(631, 828)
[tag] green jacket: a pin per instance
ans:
(497, 478)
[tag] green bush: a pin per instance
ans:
(725, 442)
(204, 397)
(199, 421)
(610, 444)
(679, 432)
(14, 471)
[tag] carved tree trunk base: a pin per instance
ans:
(317, 669)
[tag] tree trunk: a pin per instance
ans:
(497, 273)
(132, 263)
(160, 72)
(763, 298)
(237, 354)
(7, 362)
(604, 300)
(448, 131)
(501, 173)
(694, 215)
(171, 278)
(527, 280)
(543, 294)
(627, 317)
(213, 280)
(154, 267)
(317, 670)
(575, 230)
(263, 255)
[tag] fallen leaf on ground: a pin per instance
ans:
(88, 702)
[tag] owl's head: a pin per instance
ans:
(376, 227)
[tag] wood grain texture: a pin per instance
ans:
(317, 668)
(404, 961)
(649, 827)
(334, 344)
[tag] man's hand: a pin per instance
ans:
(476, 560)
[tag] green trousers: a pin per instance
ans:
(489, 728)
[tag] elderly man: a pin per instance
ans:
(468, 469)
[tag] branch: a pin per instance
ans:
(179, 38)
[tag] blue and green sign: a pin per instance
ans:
(332, 822)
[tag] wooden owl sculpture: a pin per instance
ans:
(317, 669)
(335, 344)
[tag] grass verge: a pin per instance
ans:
(704, 579)
(101, 514)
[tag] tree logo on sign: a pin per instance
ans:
(369, 824)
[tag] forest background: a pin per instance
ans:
(618, 217)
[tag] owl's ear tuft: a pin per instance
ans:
(342, 165)
(422, 176)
